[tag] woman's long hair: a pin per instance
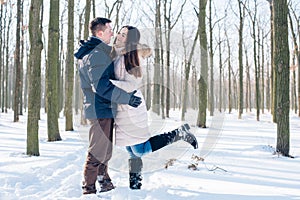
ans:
(131, 58)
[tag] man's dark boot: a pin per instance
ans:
(135, 173)
(181, 133)
(104, 179)
(90, 175)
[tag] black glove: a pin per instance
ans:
(134, 101)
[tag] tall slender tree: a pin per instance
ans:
(87, 18)
(169, 25)
(296, 53)
(157, 70)
(17, 65)
(211, 62)
(187, 74)
(69, 73)
(1, 57)
(21, 96)
(52, 73)
(7, 96)
(253, 17)
(34, 77)
(201, 120)
(240, 57)
(282, 68)
(229, 73)
(273, 72)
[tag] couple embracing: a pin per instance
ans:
(110, 79)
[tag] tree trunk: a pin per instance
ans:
(17, 65)
(69, 69)
(248, 84)
(34, 95)
(262, 74)
(186, 77)
(298, 57)
(229, 75)
(241, 96)
(273, 72)
(296, 54)
(256, 66)
(61, 64)
(6, 90)
(94, 8)
(79, 94)
(282, 69)
(1, 61)
(157, 67)
(148, 88)
(211, 62)
(201, 120)
(52, 73)
(87, 18)
(268, 89)
(221, 74)
(21, 63)
(162, 75)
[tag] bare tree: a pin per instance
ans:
(17, 65)
(241, 69)
(187, 74)
(34, 96)
(87, 18)
(157, 72)
(169, 25)
(1, 57)
(253, 18)
(6, 94)
(62, 59)
(52, 73)
(211, 61)
(296, 53)
(273, 73)
(248, 84)
(21, 59)
(229, 73)
(201, 120)
(69, 73)
(282, 68)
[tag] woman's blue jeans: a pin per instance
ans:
(139, 150)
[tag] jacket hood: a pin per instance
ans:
(86, 46)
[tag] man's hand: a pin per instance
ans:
(134, 101)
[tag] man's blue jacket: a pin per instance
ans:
(96, 68)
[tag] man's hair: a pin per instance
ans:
(98, 24)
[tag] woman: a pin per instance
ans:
(132, 123)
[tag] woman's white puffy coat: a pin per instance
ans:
(131, 123)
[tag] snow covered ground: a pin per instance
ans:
(238, 163)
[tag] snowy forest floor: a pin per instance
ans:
(239, 162)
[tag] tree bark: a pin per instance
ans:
(282, 68)
(211, 62)
(241, 96)
(157, 79)
(87, 18)
(69, 74)
(52, 73)
(17, 65)
(34, 95)
(201, 120)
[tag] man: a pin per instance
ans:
(95, 70)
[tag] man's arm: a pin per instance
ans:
(110, 92)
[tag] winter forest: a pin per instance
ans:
(209, 56)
